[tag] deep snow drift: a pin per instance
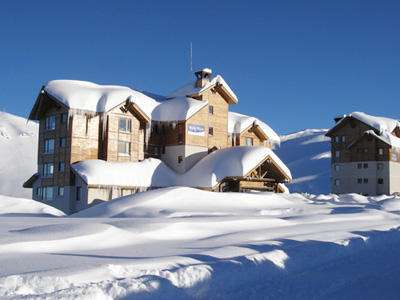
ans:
(18, 154)
(185, 243)
(307, 154)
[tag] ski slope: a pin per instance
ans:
(307, 154)
(18, 154)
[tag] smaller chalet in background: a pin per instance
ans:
(365, 155)
(98, 142)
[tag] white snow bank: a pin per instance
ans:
(89, 96)
(21, 206)
(238, 122)
(209, 171)
(182, 202)
(181, 243)
(18, 154)
(150, 172)
(190, 89)
(305, 133)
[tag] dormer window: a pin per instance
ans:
(50, 123)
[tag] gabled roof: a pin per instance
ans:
(207, 173)
(237, 123)
(190, 89)
(385, 137)
(379, 124)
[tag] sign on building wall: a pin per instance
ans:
(194, 129)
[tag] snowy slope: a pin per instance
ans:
(26, 207)
(307, 154)
(18, 154)
(180, 243)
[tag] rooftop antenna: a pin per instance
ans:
(191, 57)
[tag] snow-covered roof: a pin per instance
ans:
(208, 172)
(233, 161)
(190, 89)
(386, 137)
(149, 172)
(380, 124)
(238, 122)
(90, 96)
(177, 109)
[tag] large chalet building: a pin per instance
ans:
(100, 142)
(365, 155)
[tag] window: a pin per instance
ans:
(249, 141)
(78, 193)
(180, 159)
(48, 169)
(211, 109)
(365, 180)
(380, 180)
(359, 166)
(50, 123)
(337, 139)
(61, 191)
(47, 193)
(61, 166)
(337, 168)
(379, 166)
(359, 180)
(337, 154)
(337, 182)
(39, 192)
(163, 149)
(64, 117)
(380, 151)
(63, 142)
(365, 166)
(124, 148)
(211, 130)
(343, 139)
(49, 146)
(125, 124)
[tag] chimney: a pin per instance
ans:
(203, 77)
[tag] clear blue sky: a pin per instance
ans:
(295, 64)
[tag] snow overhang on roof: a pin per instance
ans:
(190, 90)
(229, 162)
(237, 123)
(207, 173)
(385, 137)
(379, 124)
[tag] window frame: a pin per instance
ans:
(129, 148)
(251, 141)
(46, 147)
(128, 125)
(50, 123)
(46, 167)
(211, 109)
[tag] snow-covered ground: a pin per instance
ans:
(307, 154)
(18, 154)
(185, 243)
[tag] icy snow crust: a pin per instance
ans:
(208, 172)
(238, 122)
(183, 243)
